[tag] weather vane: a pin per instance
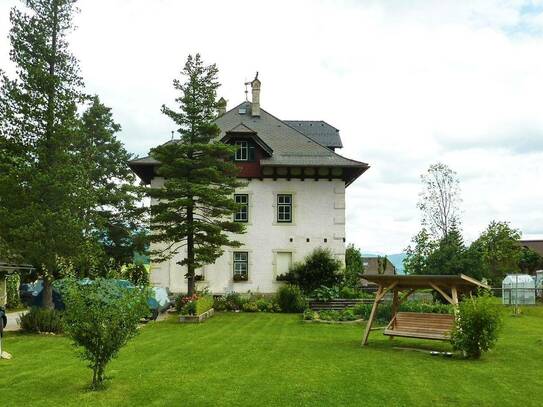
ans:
(247, 91)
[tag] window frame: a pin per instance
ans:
(240, 211)
(244, 275)
(241, 146)
(284, 206)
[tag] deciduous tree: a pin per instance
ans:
(500, 251)
(354, 266)
(439, 200)
(416, 260)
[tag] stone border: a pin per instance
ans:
(187, 319)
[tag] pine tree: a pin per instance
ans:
(194, 208)
(41, 197)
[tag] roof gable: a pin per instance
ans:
(290, 146)
(246, 132)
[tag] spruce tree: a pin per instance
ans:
(193, 213)
(114, 220)
(41, 197)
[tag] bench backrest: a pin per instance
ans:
(416, 320)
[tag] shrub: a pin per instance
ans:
(42, 320)
(349, 292)
(320, 268)
(384, 311)
(290, 298)
(310, 315)
(12, 286)
(137, 274)
(234, 301)
(250, 306)
(268, 306)
(329, 315)
(219, 303)
(347, 315)
(102, 317)
(477, 326)
(324, 293)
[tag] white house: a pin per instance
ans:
(294, 198)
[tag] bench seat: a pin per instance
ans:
(421, 326)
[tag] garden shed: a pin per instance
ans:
(418, 325)
(518, 289)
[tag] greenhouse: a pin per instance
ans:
(518, 289)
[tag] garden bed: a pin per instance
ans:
(187, 319)
(321, 321)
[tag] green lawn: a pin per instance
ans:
(275, 359)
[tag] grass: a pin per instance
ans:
(276, 360)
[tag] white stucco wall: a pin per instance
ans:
(318, 214)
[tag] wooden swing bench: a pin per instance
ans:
(421, 326)
(414, 324)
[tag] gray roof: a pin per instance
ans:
(290, 145)
(318, 130)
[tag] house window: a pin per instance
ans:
(284, 208)
(242, 215)
(241, 266)
(242, 151)
(283, 262)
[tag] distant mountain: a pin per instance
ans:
(396, 259)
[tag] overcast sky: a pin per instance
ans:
(407, 83)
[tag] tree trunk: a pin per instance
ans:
(190, 252)
(47, 299)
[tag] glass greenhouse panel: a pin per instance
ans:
(518, 289)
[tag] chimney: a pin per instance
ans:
(255, 102)
(221, 106)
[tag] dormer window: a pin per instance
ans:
(242, 151)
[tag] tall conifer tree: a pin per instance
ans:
(114, 218)
(40, 184)
(193, 214)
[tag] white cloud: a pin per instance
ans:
(407, 83)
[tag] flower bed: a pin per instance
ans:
(247, 303)
(195, 308)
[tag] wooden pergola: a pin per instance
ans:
(449, 286)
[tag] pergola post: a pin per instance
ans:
(372, 315)
(378, 297)
(454, 293)
(395, 303)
